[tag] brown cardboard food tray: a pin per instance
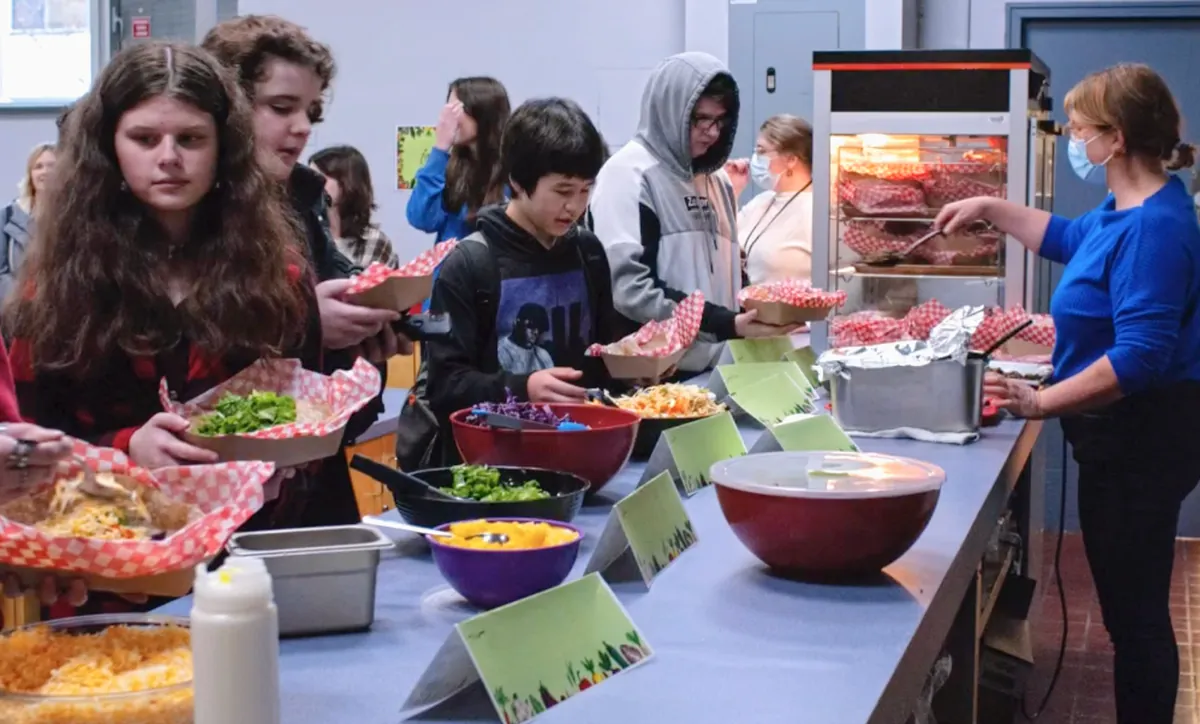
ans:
(781, 314)
(398, 294)
(170, 584)
(632, 367)
(1022, 348)
(284, 452)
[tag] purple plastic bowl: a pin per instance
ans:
(492, 578)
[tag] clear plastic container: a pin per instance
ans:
(843, 475)
(164, 705)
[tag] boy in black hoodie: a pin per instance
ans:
(529, 263)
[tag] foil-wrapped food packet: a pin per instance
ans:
(950, 339)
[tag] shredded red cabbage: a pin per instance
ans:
(520, 410)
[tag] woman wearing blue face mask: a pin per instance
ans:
(1127, 361)
(775, 227)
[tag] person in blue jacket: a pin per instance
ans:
(462, 173)
(1126, 379)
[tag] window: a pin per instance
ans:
(47, 51)
(49, 15)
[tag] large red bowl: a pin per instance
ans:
(595, 454)
(827, 514)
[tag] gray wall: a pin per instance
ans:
(973, 23)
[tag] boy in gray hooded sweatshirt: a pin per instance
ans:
(666, 218)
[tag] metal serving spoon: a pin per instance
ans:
(496, 538)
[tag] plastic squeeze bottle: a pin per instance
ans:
(235, 644)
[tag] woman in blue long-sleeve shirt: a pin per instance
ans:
(462, 173)
(1126, 362)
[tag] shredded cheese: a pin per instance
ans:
(154, 661)
(121, 518)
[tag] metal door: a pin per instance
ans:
(771, 43)
(1074, 41)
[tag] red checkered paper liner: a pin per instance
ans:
(679, 331)
(343, 393)
(921, 319)
(226, 495)
(422, 266)
(881, 197)
(869, 238)
(864, 328)
(1040, 332)
(886, 170)
(794, 293)
(984, 251)
(997, 323)
(944, 187)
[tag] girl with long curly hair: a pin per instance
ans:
(164, 252)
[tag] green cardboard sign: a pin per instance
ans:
(692, 449)
(807, 432)
(805, 358)
(773, 398)
(735, 377)
(650, 526)
(762, 349)
(537, 653)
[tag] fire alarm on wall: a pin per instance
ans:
(140, 27)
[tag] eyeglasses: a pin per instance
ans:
(706, 124)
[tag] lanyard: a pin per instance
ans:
(751, 238)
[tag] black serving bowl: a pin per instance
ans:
(429, 510)
(652, 428)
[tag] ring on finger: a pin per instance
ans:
(18, 459)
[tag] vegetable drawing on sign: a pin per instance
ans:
(413, 144)
(656, 525)
(695, 446)
(545, 649)
(605, 662)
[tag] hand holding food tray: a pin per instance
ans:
(247, 416)
(381, 287)
(147, 543)
(648, 353)
(790, 301)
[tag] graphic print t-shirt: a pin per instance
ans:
(541, 319)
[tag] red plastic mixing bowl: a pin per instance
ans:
(827, 514)
(595, 455)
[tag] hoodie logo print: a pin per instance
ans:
(697, 203)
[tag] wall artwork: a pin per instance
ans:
(413, 144)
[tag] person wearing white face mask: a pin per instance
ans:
(1126, 360)
(775, 227)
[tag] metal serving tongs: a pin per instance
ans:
(893, 258)
(493, 538)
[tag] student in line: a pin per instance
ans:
(351, 199)
(530, 291)
(17, 219)
(171, 256)
(666, 218)
(775, 227)
(285, 73)
(462, 174)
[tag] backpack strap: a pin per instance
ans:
(486, 278)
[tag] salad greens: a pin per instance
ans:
(259, 410)
(479, 482)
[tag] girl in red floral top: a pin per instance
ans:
(164, 252)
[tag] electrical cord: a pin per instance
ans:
(1062, 597)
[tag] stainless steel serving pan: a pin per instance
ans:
(324, 578)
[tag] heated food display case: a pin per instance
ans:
(897, 135)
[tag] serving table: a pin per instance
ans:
(732, 641)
